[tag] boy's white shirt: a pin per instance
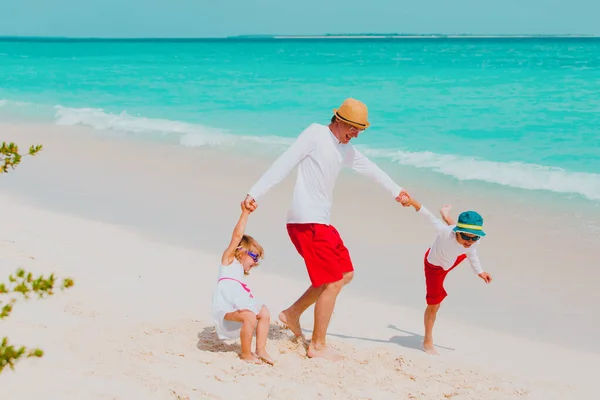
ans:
(446, 248)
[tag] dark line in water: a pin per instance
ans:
(323, 38)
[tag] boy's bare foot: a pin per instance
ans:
(429, 348)
(265, 357)
(292, 322)
(250, 358)
(325, 352)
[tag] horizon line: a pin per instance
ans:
(367, 35)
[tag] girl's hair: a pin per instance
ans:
(248, 243)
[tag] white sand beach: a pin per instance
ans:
(140, 228)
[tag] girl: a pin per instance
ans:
(235, 310)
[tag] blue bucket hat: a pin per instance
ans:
(470, 222)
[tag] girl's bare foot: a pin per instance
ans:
(250, 358)
(293, 323)
(265, 357)
(429, 348)
(324, 352)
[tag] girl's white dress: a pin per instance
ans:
(231, 294)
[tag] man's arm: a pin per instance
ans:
(361, 164)
(281, 167)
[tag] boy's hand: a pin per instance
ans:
(485, 276)
(445, 213)
(445, 210)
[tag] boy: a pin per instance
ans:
(454, 243)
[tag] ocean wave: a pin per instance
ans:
(511, 174)
(189, 135)
(514, 174)
(10, 103)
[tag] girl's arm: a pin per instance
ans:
(236, 237)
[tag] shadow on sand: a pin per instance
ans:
(409, 340)
(209, 341)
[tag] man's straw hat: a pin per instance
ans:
(354, 113)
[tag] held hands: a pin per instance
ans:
(247, 209)
(403, 198)
(485, 276)
(249, 204)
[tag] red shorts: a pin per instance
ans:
(434, 279)
(323, 250)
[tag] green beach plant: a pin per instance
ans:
(22, 284)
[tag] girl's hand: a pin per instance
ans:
(250, 203)
(245, 210)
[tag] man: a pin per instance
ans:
(320, 153)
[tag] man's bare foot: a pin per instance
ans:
(429, 348)
(265, 357)
(293, 323)
(250, 358)
(325, 352)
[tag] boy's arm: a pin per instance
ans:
(435, 221)
(476, 265)
(236, 236)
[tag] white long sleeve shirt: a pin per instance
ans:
(446, 248)
(320, 158)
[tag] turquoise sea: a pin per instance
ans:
(522, 114)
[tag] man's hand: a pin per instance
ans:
(403, 198)
(250, 204)
(485, 276)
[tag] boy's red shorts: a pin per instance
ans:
(323, 250)
(434, 279)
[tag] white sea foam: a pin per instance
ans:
(190, 135)
(512, 174)
(10, 103)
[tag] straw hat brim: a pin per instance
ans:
(351, 123)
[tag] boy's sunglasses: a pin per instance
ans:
(468, 238)
(253, 255)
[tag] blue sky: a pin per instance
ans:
(202, 18)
